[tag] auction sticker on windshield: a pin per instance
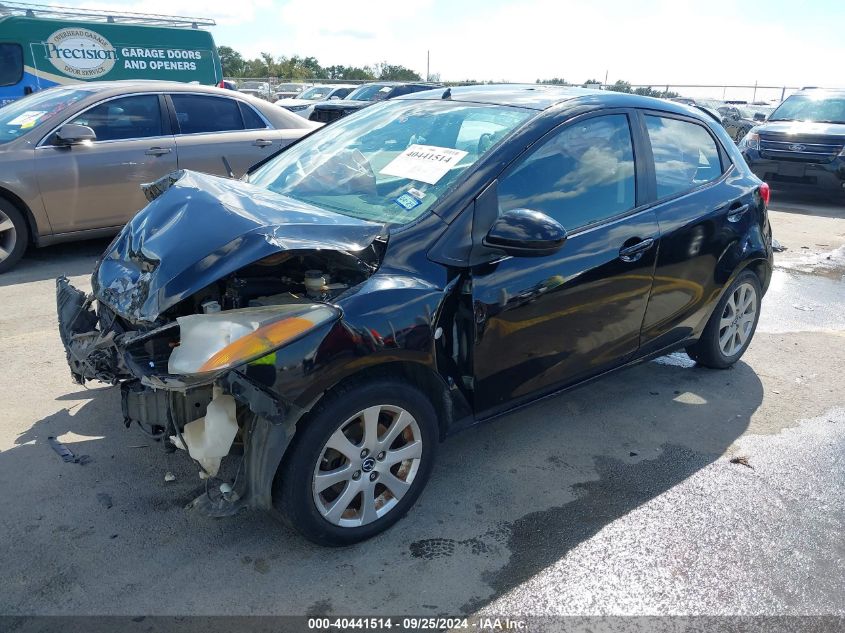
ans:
(425, 163)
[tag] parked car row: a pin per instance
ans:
(72, 158)
(426, 263)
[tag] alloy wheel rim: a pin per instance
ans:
(737, 321)
(367, 466)
(8, 236)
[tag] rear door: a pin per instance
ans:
(210, 127)
(545, 322)
(97, 185)
(702, 208)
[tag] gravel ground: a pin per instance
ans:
(583, 504)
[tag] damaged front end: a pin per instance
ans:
(192, 302)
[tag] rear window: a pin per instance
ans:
(685, 155)
(251, 119)
(198, 114)
(11, 64)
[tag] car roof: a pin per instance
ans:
(543, 97)
(820, 92)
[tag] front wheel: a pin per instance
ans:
(731, 327)
(358, 463)
(14, 235)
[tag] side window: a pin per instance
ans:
(341, 93)
(251, 119)
(685, 155)
(11, 64)
(583, 174)
(124, 118)
(197, 114)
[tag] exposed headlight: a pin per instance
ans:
(750, 141)
(222, 340)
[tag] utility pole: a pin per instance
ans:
(605, 77)
(428, 65)
(754, 98)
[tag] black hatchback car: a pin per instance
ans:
(423, 265)
(802, 145)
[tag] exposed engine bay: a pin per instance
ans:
(188, 325)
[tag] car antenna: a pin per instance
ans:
(228, 167)
(447, 94)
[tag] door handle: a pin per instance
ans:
(262, 143)
(635, 251)
(735, 214)
(157, 151)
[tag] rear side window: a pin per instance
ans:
(685, 155)
(11, 64)
(581, 175)
(138, 116)
(199, 114)
(251, 119)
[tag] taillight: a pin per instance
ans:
(765, 193)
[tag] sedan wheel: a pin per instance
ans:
(14, 235)
(8, 236)
(367, 466)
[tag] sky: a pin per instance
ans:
(772, 42)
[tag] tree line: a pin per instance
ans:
(619, 86)
(297, 67)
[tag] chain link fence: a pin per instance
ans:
(748, 93)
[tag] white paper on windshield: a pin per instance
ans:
(425, 163)
(26, 117)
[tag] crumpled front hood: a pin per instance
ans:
(802, 128)
(202, 228)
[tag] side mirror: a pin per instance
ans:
(525, 233)
(73, 134)
(759, 116)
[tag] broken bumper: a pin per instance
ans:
(99, 348)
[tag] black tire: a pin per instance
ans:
(11, 254)
(707, 350)
(293, 488)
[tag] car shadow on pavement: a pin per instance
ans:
(506, 501)
(72, 258)
(820, 204)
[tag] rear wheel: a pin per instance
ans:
(731, 326)
(14, 235)
(358, 463)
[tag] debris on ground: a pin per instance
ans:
(66, 454)
(741, 459)
(169, 476)
(777, 247)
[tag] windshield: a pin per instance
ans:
(392, 161)
(24, 114)
(370, 92)
(315, 94)
(821, 109)
(11, 64)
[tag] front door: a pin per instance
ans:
(545, 322)
(98, 185)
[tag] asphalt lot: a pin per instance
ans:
(617, 498)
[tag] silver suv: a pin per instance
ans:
(72, 158)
